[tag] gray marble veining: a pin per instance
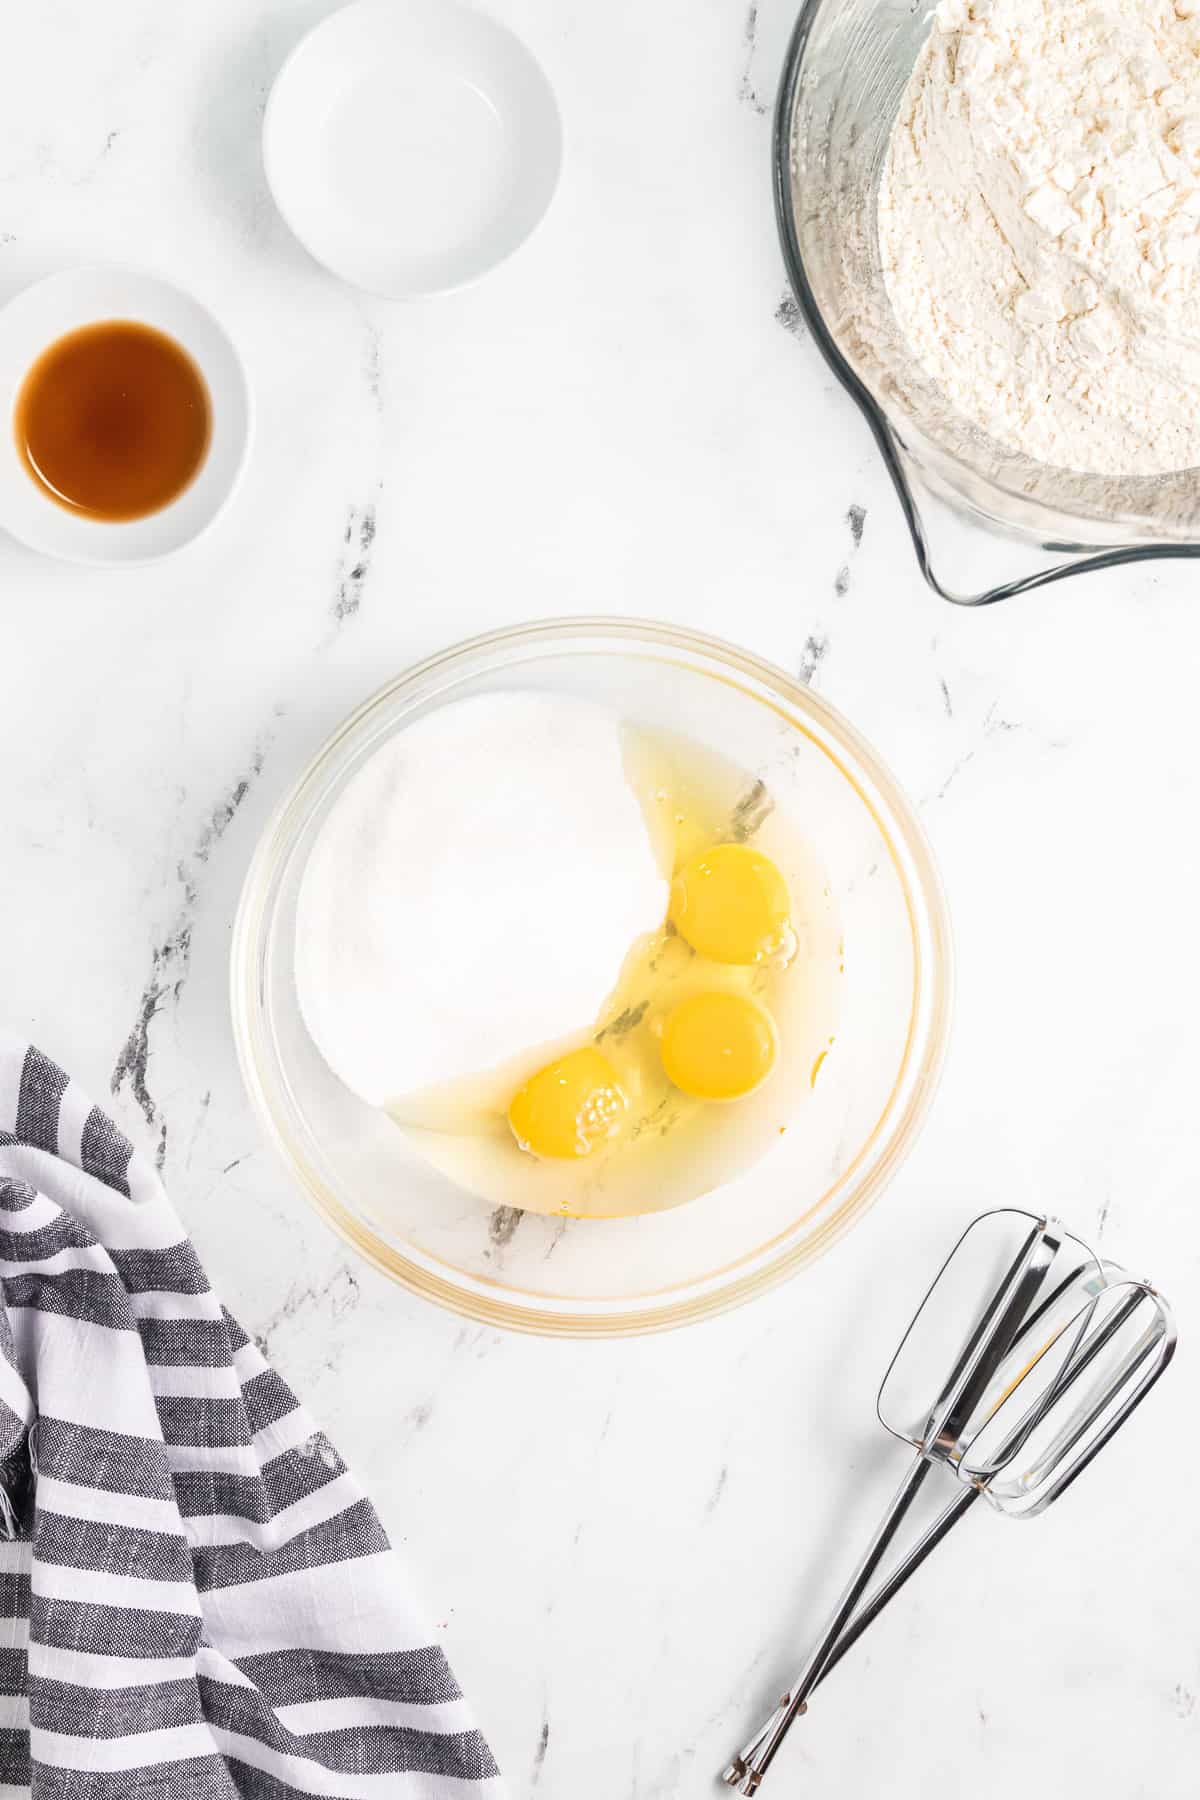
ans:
(627, 417)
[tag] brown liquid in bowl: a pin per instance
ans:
(113, 420)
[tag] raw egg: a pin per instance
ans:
(701, 1055)
(718, 1046)
(570, 1107)
(731, 903)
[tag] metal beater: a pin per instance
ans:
(1057, 1348)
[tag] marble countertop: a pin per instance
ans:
(625, 1544)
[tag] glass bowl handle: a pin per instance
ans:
(953, 542)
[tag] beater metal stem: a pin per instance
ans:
(844, 1629)
(981, 1408)
(996, 1330)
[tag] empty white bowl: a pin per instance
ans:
(45, 312)
(411, 144)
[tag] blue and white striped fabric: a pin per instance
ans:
(197, 1602)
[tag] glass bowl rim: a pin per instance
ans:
(884, 1148)
(1066, 556)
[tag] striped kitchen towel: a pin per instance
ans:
(197, 1602)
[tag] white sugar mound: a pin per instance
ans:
(473, 893)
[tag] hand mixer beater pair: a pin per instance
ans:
(1055, 1349)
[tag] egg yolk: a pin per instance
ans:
(718, 1046)
(570, 1107)
(731, 904)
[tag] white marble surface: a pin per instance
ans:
(625, 1544)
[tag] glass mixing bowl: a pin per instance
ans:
(596, 1276)
(846, 69)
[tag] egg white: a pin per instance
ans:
(671, 1148)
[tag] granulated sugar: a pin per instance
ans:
(473, 892)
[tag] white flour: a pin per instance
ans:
(1039, 224)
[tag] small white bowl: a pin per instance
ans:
(40, 315)
(411, 145)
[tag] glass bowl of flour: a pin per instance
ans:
(990, 216)
(432, 1221)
